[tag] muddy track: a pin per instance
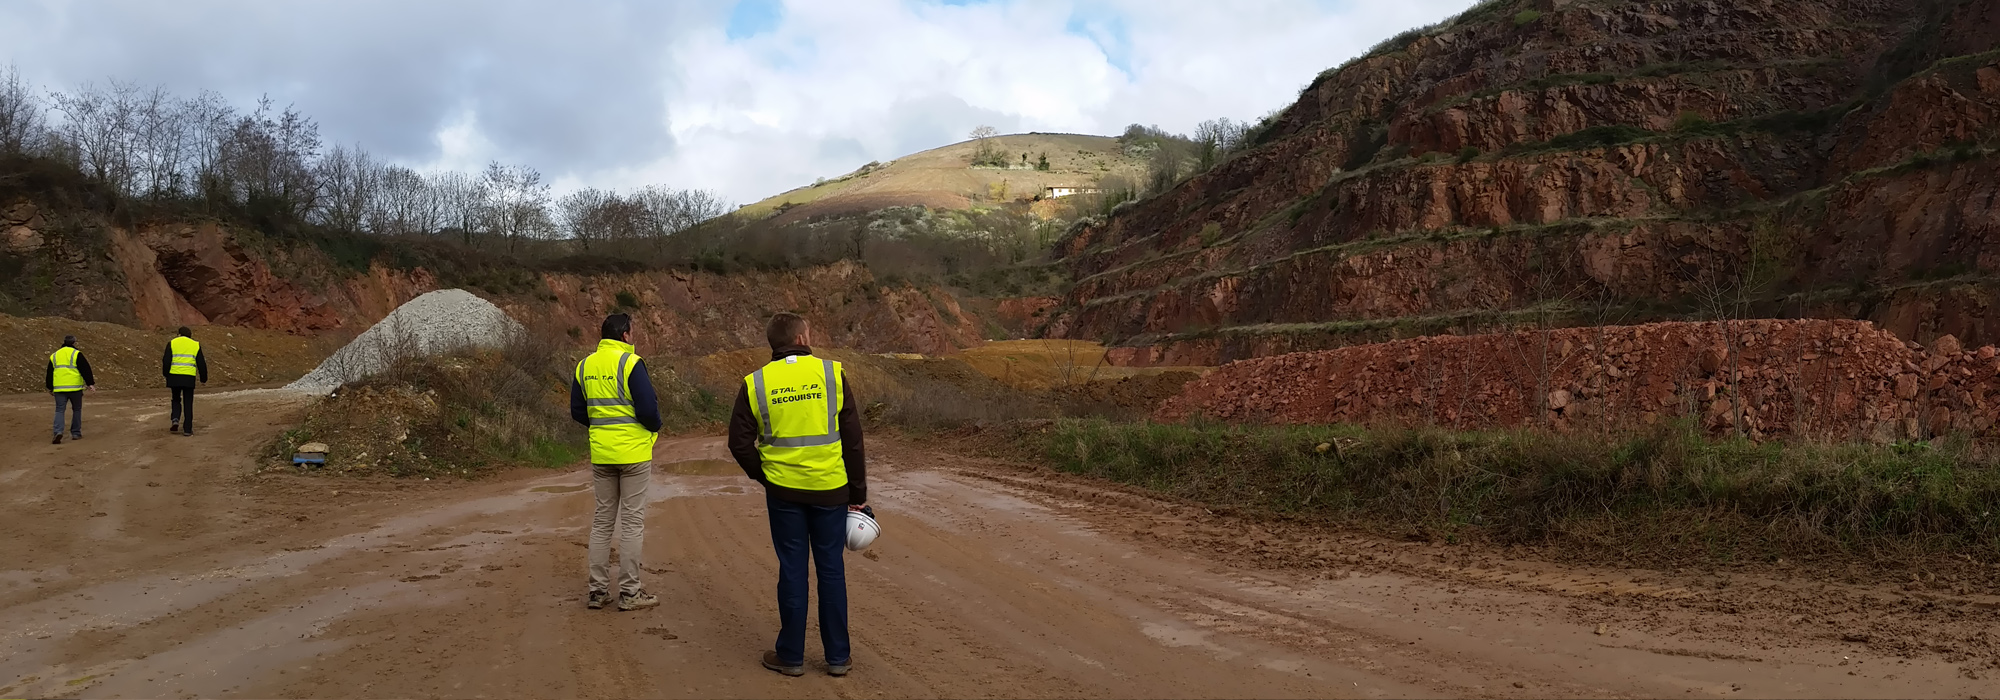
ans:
(138, 563)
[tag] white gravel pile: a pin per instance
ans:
(435, 323)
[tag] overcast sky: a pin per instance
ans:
(746, 98)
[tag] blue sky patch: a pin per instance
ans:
(752, 17)
(1108, 30)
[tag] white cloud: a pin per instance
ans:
(628, 94)
(835, 85)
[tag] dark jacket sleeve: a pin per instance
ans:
(850, 448)
(167, 361)
(644, 401)
(82, 366)
(743, 437)
(201, 365)
(577, 412)
(51, 381)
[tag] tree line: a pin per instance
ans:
(1172, 158)
(150, 145)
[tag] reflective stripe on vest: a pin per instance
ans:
(616, 436)
(797, 404)
(184, 350)
(68, 377)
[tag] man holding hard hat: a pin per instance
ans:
(795, 430)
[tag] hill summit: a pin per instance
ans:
(1016, 168)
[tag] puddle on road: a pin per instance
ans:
(702, 467)
(560, 489)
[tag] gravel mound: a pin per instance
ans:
(435, 323)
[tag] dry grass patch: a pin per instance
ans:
(457, 414)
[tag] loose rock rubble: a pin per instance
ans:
(1830, 379)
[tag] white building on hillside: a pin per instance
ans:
(1057, 191)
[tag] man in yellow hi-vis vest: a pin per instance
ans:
(183, 364)
(614, 396)
(796, 430)
(69, 375)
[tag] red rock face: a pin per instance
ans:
(1024, 312)
(684, 313)
(197, 274)
(1605, 163)
(1824, 379)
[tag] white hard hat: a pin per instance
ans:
(861, 531)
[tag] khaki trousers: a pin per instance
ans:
(621, 505)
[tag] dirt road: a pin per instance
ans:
(139, 563)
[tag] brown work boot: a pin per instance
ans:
(58, 439)
(599, 599)
(771, 662)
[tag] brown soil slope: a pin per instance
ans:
(1833, 379)
(1619, 160)
(128, 358)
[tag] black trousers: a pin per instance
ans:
(183, 413)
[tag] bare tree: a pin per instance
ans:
(461, 200)
(516, 203)
(583, 215)
(987, 152)
(269, 158)
(1215, 139)
(670, 211)
(21, 120)
(271, 161)
(349, 181)
(95, 130)
(405, 204)
(158, 141)
(1163, 171)
(208, 120)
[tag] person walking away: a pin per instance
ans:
(796, 431)
(69, 375)
(613, 395)
(183, 365)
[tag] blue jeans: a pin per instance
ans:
(75, 401)
(821, 531)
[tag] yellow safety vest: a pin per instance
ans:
(616, 437)
(68, 377)
(184, 350)
(797, 401)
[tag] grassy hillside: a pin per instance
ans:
(945, 178)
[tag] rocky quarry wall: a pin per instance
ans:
(1765, 378)
(1618, 160)
(165, 274)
